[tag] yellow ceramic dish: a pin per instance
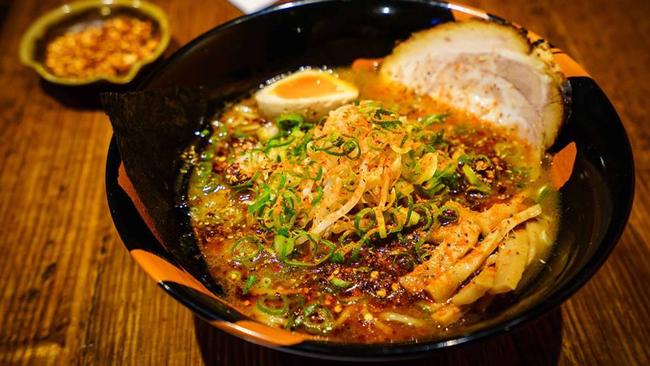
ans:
(72, 14)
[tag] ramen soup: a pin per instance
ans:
(390, 200)
(389, 217)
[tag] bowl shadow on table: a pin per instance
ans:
(538, 342)
(86, 97)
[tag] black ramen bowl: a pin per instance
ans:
(236, 57)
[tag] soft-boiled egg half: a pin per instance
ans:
(310, 92)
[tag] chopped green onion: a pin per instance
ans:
(246, 248)
(340, 284)
(265, 199)
(388, 125)
(283, 246)
(418, 249)
(242, 186)
(356, 248)
(356, 251)
(432, 139)
(369, 107)
(465, 159)
(396, 214)
(474, 180)
(306, 126)
(473, 158)
(281, 178)
(300, 150)
(345, 235)
(316, 178)
(434, 119)
(266, 132)
(310, 308)
(268, 219)
(484, 158)
(319, 196)
(542, 192)
(383, 112)
(337, 257)
(409, 213)
(277, 142)
(441, 179)
(339, 146)
(287, 217)
(401, 144)
(276, 309)
(249, 283)
(403, 188)
(381, 223)
(312, 260)
(426, 212)
(287, 121)
(318, 319)
(240, 135)
(361, 216)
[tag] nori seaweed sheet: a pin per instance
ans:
(152, 129)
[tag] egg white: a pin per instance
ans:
(272, 105)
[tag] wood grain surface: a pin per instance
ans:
(70, 293)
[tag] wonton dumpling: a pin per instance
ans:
(487, 69)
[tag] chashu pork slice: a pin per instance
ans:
(489, 70)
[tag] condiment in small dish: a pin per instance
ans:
(95, 40)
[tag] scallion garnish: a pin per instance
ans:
(249, 283)
(283, 246)
(246, 248)
(318, 319)
(474, 180)
(273, 305)
(432, 119)
(340, 284)
(287, 121)
(340, 146)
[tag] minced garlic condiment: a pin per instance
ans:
(107, 50)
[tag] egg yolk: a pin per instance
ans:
(306, 86)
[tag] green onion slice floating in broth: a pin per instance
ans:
(246, 249)
(273, 305)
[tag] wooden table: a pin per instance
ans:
(71, 294)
